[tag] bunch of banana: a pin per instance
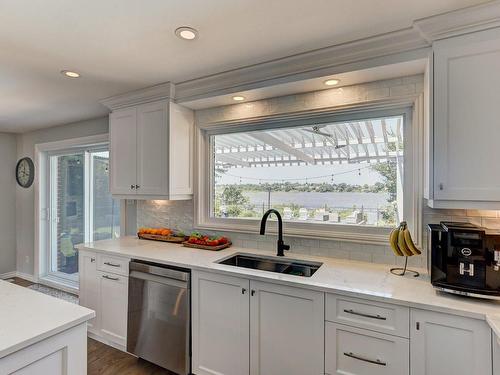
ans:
(401, 242)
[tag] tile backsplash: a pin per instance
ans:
(179, 215)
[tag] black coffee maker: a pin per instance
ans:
(465, 259)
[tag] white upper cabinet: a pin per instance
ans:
(123, 153)
(151, 151)
(466, 121)
(151, 144)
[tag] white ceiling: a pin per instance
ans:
(121, 45)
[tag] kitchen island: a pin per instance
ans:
(40, 334)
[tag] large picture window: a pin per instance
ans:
(348, 173)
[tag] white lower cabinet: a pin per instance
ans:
(356, 351)
(448, 344)
(107, 294)
(242, 327)
(113, 307)
(221, 330)
(286, 330)
(496, 354)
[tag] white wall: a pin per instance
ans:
(8, 158)
(25, 198)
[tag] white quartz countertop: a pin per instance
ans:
(27, 316)
(351, 278)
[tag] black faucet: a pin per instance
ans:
(281, 245)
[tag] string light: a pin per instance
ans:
(306, 179)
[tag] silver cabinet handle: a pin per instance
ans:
(379, 317)
(112, 264)
(360, 358)
(110, 278)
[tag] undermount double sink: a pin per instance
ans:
(273, 264)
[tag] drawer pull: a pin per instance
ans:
(360, 358)
(379, 317)
(111, 278)
(112, 264)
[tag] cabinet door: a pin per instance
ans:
(152, 149)
(114, 304)
(466, 114)
(89, 287)
(447, 344)
(123, 151)
(496, 354)
(287, 330)
(220, 330)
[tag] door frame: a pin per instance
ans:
(41, 202)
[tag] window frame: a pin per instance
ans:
(411, 110)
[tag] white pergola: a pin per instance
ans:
(348, 142)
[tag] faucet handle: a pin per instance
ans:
(286, 247)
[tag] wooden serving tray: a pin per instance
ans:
(205, 247)
(159, 237)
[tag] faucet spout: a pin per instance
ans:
(281, 246)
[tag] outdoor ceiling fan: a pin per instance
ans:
(316, 129)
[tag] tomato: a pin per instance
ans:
(223, 240)
(212, 242)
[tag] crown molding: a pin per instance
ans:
(306, 65)
(163, 91)
(461, 21)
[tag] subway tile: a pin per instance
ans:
(490, 223)
(482, 213)
(405, 89)
(361, 256)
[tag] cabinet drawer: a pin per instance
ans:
(380, 317)
(356, 351)
(112, 264)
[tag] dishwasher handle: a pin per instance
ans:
(159, 270)
(159, 279)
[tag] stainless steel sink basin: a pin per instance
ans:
(273, 264)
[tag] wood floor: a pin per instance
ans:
(105, 360)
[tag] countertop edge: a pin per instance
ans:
(45, 335)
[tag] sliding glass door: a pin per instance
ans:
(81, 208)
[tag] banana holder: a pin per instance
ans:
(402, 245)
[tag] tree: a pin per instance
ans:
(232, 197)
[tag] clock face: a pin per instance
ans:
(25, 172)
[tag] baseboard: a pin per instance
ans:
(26, 276)
(99, 338)
(8, 275)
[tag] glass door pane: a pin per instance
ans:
(105, 211)
(67, 193)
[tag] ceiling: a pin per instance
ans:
(121, 45)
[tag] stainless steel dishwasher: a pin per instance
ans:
(159, 315)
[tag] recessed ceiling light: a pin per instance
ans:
(186, 33)
(332, 82)
(238, 98)
(70, 74)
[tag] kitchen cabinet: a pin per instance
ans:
(113, 290)
(351, 350)
(242, 326)
(286, 330)
(496, 354)
(447, 344)
(151, 151)
(106, 293)
(466, 112)
(89, 287)
(220, 319)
